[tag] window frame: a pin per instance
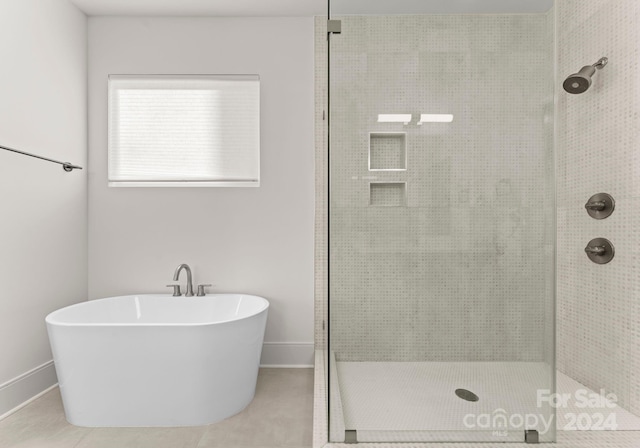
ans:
(184, 182)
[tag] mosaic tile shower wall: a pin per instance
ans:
(446, 260)
(598, 133)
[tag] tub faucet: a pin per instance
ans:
(176, 276)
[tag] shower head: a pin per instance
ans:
(581, 81)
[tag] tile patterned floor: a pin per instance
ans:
(279, 416)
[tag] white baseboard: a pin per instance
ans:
(287, 354)
(23, 389)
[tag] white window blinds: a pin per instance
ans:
(187, 130)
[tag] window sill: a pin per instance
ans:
(188, 184)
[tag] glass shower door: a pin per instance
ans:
(442, 221)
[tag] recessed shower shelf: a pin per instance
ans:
(387, 151)
(388, 194)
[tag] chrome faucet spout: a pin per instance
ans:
(176, 276)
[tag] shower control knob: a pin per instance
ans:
(595, 250)
(600, 206)
(600, 250)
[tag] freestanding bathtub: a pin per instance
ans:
(157, 360)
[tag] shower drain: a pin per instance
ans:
(466, 395)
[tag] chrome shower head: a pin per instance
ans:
(581, 81)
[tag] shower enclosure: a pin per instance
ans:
(441, 226)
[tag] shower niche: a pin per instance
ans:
(387, 151)
(388, 194)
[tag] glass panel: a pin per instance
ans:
(442, 220)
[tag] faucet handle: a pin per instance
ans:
(201, 292)
(176, 290)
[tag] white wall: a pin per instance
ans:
(43, 230)
(253, 240)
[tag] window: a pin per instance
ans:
(187, 130)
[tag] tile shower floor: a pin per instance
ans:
(410, 396)
(624, 437)
(280, 416)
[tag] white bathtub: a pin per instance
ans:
(157, 360)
